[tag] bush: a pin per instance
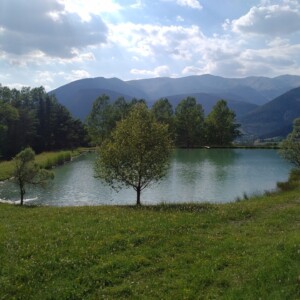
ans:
(292, 183)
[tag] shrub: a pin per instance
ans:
(292, 183)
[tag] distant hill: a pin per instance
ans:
(243, 94)
(81, 102)
(256, 90)
(274, 118)
(78, 96)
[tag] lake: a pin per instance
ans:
(197, 175)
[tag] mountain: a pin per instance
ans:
(256, 90)
(78, 96)
(209, 84)
(274, 118)
(242, 94)
(81, 102)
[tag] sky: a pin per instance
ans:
(53, 42)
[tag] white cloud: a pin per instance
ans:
(179, 19)
(274, 59)
(273, 20)
(189, 3)
(226, 55)
(44, 26)
(44, 77)
(280, 59)
(137, 5)
(147, 40)
(157, 72)
(192, 70)
(16, 85)
(194, 4)
(263, 41)
(77, 74)
(87, 8)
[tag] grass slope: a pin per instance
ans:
(243, 250)
(46, 160)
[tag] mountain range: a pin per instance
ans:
(275, 118)
(264, 106)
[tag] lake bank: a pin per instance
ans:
(46, 160)
(196, 175)
(248, 249)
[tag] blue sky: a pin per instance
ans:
(53, 42)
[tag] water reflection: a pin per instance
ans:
(193, 165)
(214, 175)
(215, 156)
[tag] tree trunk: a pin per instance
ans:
(138, 196)
(22, 191)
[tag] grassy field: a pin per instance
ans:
(45, 160)
(244, 250)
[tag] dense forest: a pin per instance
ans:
(31, 117)
(187, 124)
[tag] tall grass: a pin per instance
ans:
(46, 160)
(6, 168)
(49, 160)
(292, 183)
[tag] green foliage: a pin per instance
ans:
(245, 250)
(45, 160)
(105, 115)
(221, 127)
(163, 113)
(6, 170)
(8, 115)
(57, 160)
(189, 122)
(121, 109)
(31, 117)
(137, 153)
(100, 121)
(27, 171)
(188, 127)
(290, 147)
(292, 183)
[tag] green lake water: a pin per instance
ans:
(198, 175)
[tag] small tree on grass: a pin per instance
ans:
(137, 153)
(290, 147)
(26, 172)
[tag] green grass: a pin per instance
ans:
(244, 250)
(6, 168)
(45, 160)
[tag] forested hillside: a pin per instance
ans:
(274, 118)
(243, 96)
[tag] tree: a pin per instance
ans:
(120, 109)
(8, 115)
(221, 127)
(290, 147)
(100, 121)
(163, 113)
(31, 117)
(28, 172)
(137, 153)
(189, 120)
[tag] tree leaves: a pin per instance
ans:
(137, 153)
(28, 172)
(290, 147)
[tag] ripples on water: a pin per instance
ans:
(198, 175)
